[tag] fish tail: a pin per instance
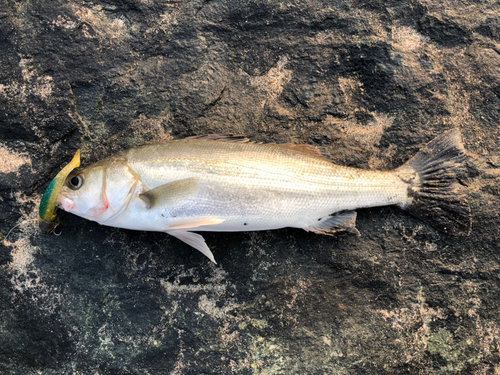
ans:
(434, 194)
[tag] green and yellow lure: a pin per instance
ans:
(47, 210)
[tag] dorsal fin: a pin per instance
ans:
(221, 137)
(304, 149)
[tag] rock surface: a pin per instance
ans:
(369, 81)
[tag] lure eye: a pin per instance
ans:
(75, 182)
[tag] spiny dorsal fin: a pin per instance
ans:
(221, 137)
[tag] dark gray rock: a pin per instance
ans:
(369, 81)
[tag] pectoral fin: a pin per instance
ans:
(171, 194)
(195, 240)
(344, 221)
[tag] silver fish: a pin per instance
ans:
(226, 183)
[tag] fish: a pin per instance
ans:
(226, 183)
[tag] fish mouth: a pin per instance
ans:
(66, 201)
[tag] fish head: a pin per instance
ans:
(82, 192)
(98, 192)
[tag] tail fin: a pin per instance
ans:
(434, 194)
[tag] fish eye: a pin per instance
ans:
(75, 182)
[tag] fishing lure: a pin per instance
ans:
(47, 211)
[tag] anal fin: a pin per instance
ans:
(195, 240)
(343, 221)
